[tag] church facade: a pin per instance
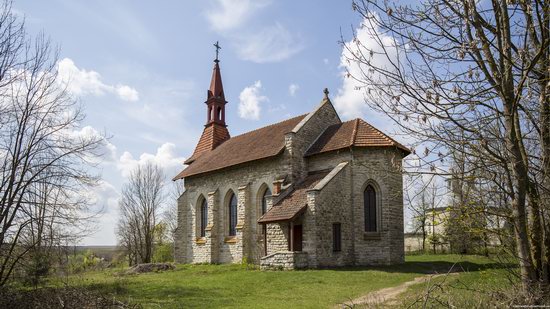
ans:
(310, 191)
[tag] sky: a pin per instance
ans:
(141, 70)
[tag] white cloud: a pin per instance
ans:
(127, 93)
(106, 152)
(350, 99)
(227, 15)
(325, 61)
(166, 157)
(233, 20)
(80, 82)
(292, 89)
(250, 100)
(104, 197)
(270, 44)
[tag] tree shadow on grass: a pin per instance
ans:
(162, 296)
(431, 267)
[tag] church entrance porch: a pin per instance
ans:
(285, 260)
(291, 256)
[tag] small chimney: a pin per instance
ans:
(277, 184)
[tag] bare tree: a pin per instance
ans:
(44, 160)
(170, 214)
(140, 205)
(471, 77)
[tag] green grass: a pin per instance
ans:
(235, 286)
(483, 284)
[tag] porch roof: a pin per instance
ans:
(292, 205)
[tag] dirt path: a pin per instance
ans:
(387, 294)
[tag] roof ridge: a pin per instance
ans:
(269, 125)
(386, 136)
(321, 134)
(354, 132)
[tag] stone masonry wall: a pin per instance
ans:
(245, 181)
(277, 237)
(327, 160)
(183, 249)
(286, 260)
(297, 143)
(380, 167)
(332, 205)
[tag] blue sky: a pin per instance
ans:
(141, 70)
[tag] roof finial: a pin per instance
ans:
(217, 45)
(326, 93)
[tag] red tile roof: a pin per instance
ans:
(254, 145)
(295, 202)
(355, 132)
(212, 136)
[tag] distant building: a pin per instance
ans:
(450, 229)
(309, 191)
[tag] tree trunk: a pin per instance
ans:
(519, 187)
(536, 230)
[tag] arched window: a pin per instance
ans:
(267, 193)
(233, 215)
(370, 209)
(219, 113)
(204, 217)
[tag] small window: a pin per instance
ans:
(336, 237)
(204, 217)
(219, 113)
(370, 209)
(267, 193)
(233, 215)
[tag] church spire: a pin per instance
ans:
(215, 130)
(216, 86)
(215, 98)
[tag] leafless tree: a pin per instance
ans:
(170, 214)
(471, 77)
(140, 206)
(420, 207)
(44, 160)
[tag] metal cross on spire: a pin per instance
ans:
(217, 45)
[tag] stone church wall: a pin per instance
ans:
(299, 140)
(332, 205)
(327, 160)
(245, 181)
(381, 168)
(278, 237)
(183, 249)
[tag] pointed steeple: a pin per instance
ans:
(215, 130)
(216, 86)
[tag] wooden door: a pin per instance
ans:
(297, 238)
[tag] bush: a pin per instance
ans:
(150, 267)
(65, 297)
(84, 261)
(37, 268)
(163, 253)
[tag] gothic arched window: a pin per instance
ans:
(233, 215)
(204, 217)
(267, 193)
(370, 209)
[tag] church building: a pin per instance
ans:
(310, 191)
